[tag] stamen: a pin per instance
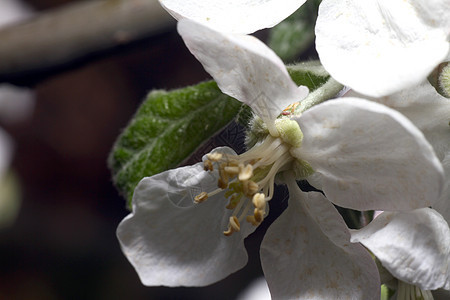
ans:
(259, 201)
(262, 149)
(208, 166)
(257, 218)
(252, 220)
(201, 197)
(271, 189)
(252, 188)
(248, 179)
(233, 226)
(283, 160)
(275, 155)
(233, 162)
(216, 156)
(245, 173)
(249, 188)
(232, 170)
(258, 214)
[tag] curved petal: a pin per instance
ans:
(426, 108)
(369, 156)
(235, 16)
(380, 47)
(306, 254)
(244, 68)
(181, 245)
(414, 246)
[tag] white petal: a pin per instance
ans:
(369, 156)
(236, 16)
(414, 246)
(426, 108)
(306, 254)
(380, 47)
(181, 245)
(244, 68)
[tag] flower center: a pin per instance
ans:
(249, 178)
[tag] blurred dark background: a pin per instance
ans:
(62, 244)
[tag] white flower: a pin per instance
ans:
(378, 47)
(236, 16)
(367, 156)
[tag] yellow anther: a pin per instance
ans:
(259, 201)
(232, 170)
(257, 218)
(201, 197)
(249, 188)
(208, 166)
(233, 226)
(215, 156)
(246, 172)
(251, 220)
(233, 163)
(259, 215)
(252, 187)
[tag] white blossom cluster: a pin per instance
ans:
(384, 146)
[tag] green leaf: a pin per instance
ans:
(167, 128)
(296, 33)
(310, 74)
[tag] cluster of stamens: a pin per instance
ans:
(248, 179)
